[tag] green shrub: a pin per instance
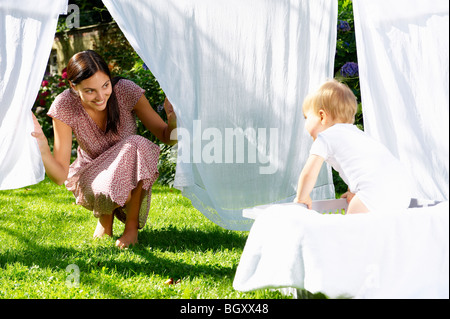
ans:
(346, 67)
(346, 60)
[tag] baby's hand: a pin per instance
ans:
(306, 201)
(348, 195)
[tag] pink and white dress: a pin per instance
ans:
(108, 166)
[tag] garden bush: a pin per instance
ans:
(346, 61)
(346, 67)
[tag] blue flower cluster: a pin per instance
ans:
(343, 26)
(349, 69)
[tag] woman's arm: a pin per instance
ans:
(154, 123)
(307, 180)
(56, 164)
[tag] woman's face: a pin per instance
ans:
(94, 91)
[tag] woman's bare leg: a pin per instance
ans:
(130, 233)
(104, 226)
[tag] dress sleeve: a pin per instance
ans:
(62, 109)
(127, 93)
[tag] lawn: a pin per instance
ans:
(47, 251)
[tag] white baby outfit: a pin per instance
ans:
(365, 165)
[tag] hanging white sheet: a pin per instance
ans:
(404, 74)
(27, 30)
(382, 254)
(237, 73)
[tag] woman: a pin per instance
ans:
(115, 168)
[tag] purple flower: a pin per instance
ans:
(145, 67)
(343, 26)
(349, 69)
(160, 108)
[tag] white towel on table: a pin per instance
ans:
(375, 255)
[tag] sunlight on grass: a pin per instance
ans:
(43, 231)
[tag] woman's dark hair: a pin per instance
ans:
(85, 64)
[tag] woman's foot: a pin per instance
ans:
(104, 226)
(128, 238)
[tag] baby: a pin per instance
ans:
(375, 178)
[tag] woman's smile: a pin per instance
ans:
(95, 91)
(99, 103)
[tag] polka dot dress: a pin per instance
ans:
(108, 166)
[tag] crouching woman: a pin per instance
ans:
(115, 169)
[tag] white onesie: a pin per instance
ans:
(365, 165)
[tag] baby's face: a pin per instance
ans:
(313, 124)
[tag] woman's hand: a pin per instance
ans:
(40, 136)
(56, 164)
(171, 120)
(168, 107)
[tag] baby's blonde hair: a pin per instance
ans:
(336, 99)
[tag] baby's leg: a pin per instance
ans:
(356, 206)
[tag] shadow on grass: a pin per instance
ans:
(174, 239)
(166, 252)
(154, 255)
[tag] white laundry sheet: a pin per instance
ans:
(403, 58)
(236, 73)
(404, 73)
(389, 254)
(27, 30)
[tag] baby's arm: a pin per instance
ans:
(307, 179)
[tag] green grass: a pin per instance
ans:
(43, 231)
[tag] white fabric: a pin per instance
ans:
(387, 254)
(366, 166)
(27, 30)
(403, 62)
(236, 72)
